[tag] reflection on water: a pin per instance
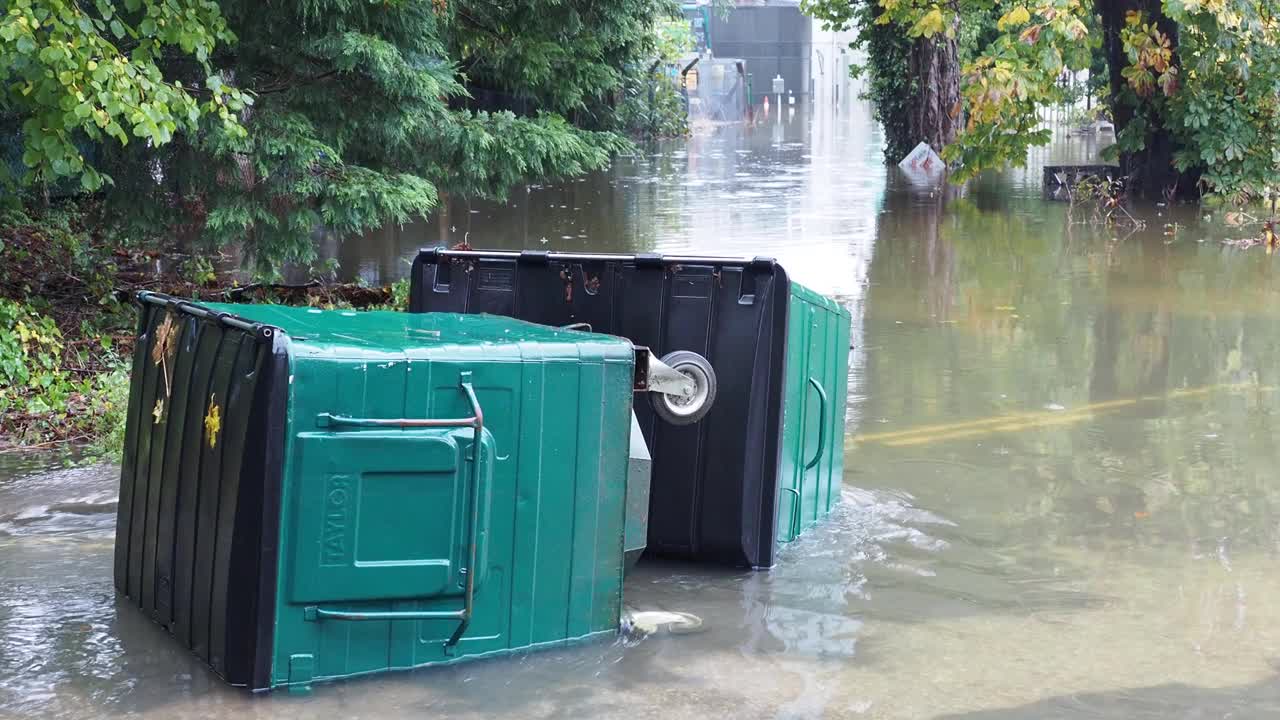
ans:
(1060, 496)
(804, 189)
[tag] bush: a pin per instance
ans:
(41, 401)
(30, 360)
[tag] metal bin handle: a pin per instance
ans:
(822, 424)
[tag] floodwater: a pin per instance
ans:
(1061, 495)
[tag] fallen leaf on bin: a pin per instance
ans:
(213, 422)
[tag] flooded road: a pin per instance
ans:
(1060, 496)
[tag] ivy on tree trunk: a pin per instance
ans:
(934, 116)
(1151, 169)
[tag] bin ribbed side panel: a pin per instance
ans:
(196, 529)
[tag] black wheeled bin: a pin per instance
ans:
(766, 461)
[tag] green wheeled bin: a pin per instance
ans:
(308, 495)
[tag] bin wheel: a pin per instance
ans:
(677, 410)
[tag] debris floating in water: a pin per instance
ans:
(639, 624)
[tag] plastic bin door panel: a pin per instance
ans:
(813, 425)
(381, 514)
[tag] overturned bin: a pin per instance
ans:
(766, 461)
(302, 496)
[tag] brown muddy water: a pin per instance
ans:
(1061, 497)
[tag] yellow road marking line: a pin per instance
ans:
(1013, 422)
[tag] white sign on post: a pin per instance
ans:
(922, 166)
(922, 159)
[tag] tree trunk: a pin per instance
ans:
(914, 85)
(936, 69)
(1150, 171)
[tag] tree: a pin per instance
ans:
(1191, 83)
(341, 115)
(913, 79)
(1194, 94)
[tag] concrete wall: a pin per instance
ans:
(830, 59)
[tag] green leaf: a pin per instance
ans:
(91, 181)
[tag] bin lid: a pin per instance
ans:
(345, 333)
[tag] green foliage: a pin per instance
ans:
(111, 394)
(1004, 86)
(568, 56)
(1012, 54)
(256, 124)
(39, 398)
(77, 73)
(400, 295)
(1212, 91)
(1216, 95)
(485, 153)
(672, 39)
(30, 357)
(652, 105)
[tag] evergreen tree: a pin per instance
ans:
(259, 123)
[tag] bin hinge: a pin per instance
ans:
(302, 669)
(653, 375)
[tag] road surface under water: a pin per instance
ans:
(1060, 495)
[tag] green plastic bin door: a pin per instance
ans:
(384, 514)
(813, 442)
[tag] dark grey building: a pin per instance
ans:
(773, 37)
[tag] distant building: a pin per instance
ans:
(773, 38)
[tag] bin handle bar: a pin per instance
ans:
(600, 257)
(822, 424)
(330, 420)
(794, 521)
(463, 616)
(165, 301)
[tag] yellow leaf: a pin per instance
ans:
(212, 423)
(928, 25)
(1014, 18)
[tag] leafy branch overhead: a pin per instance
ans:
(88, 73)
(1014, 75)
